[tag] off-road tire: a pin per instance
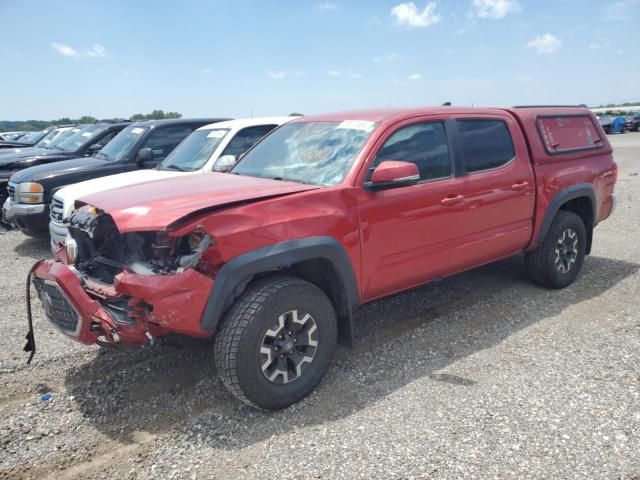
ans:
(238, 342)
(541, 264)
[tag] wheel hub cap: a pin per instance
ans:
(288, 347)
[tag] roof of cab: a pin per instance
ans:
(178, 121)
(381, 115)
(248, 122)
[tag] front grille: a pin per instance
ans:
(57, 307)
(56, 210)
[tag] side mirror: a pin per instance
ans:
(93, 149)
(393, 174)
(224, 163)
(144, 155)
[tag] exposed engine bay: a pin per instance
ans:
(100, 251)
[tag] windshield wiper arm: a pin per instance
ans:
(173, 167)
(284, 179)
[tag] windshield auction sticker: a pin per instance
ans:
(216, 134)
(363, 125)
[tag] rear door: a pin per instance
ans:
(498, 188)
(162, 140)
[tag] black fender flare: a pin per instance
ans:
(237, 272)
(563, 196)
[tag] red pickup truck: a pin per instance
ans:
(324, 214)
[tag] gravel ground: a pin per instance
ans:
(482, 375)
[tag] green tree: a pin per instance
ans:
(155, 115)
(87, 119)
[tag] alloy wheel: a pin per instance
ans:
(566, 250)
(288, 347)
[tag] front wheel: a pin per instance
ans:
(276, 342)
(556, 262)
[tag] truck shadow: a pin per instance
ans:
(424, 330)
(31, 247)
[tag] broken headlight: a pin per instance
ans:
(166, 254)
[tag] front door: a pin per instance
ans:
(406, 232)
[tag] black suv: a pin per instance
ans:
(83, 142)
(139, 145)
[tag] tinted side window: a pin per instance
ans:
(106, 139)
(245, 139)
(424, 144)
(162, 140)
(486, 144)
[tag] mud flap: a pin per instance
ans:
(31, 340)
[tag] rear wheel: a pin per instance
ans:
(558, 259)
(276, 342)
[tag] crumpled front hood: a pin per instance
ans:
(71, 193)
(157, 204)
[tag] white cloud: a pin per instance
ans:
(545, 44)
(495, 8)
(65, 50)
(333, 73)
(206, 71)
(407, 15)
(280, 74)
(327, 6)
(415, 76)
(353, 74)
(96, 51)
(386, 58)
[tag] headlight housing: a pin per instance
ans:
(30, 192)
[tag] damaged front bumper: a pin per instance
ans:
(135, 310)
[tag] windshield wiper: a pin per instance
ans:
(284, 179)
(172, 167)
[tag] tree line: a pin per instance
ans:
(33, 125)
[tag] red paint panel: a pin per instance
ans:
(177, 301)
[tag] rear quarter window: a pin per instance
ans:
(567, 133)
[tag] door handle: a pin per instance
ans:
(451, 200)
(520, 186)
